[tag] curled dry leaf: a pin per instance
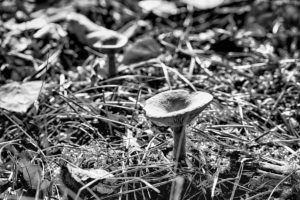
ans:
(32, 174)
(103, 188)
(204, 4)
(34, 24)
(89, 32)
(131, 142)
(83, 175)
(159, 7)
(18, 97)
(51, 30)
(74, 178)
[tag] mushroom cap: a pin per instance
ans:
(176, 107)
(112, 41)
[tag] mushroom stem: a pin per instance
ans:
(179, 143)
(111, 64)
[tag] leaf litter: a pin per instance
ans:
(244, 146)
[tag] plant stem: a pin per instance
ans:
(179, 143)
(111, 64)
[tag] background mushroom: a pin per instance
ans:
(111, 46)
(98, 37)
(176, 108)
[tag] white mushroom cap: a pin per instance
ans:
(176, 107)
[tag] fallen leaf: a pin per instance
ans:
(104, 189)
(81, 175)
(18, 97)
(91, 33)
(36, 23)
(51, 30)
(130, 142)
(142, 50)
(73, 178)
(160, 8)
(204, 4)
(31, 173)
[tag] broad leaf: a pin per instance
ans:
(204, 4)
(131, 142)
(31, 173)
(18, 97)
(160, 8)
(93, 34)
(86, 175)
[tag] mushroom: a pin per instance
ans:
(98, 37)
(110, 46)
(176, 109)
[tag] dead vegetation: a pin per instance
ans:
(69, 129)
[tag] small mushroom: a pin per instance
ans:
(98, 37)
(176, 108)
(110, 47)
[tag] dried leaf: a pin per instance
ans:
(204, 4)
(36, 23)
(31, 173)
(51, 30)
(85, 175)
(131, 142)
(91, 33)
(46, 186)
(104, 189)
(81, 175)
(160, 8)
(143, 49)
(18, 97)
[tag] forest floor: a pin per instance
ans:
(72, 128)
